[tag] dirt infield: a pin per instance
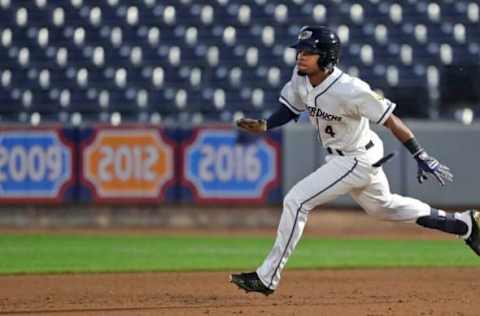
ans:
(369, 292)
(325, 292)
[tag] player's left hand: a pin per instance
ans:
(252, 125)
(427, 164)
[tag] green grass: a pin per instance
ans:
(67, 253)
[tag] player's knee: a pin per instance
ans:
(291, 202)
(380, 208)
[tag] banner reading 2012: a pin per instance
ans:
(128, 164)
(218, 167)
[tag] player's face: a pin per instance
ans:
(307, 63)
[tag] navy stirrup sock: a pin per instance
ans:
(446, 223)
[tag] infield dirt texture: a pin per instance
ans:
(391, 291)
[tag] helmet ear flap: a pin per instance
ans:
(326, 60)
(322, 59)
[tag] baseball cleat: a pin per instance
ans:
(473, 241)
(250, 283)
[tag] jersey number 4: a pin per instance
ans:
(329, 130)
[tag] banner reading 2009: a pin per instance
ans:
(35, 165)
(220, 167)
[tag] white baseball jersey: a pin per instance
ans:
(340, 108)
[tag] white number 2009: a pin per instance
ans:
(35, 163)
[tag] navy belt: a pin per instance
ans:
(341, 153)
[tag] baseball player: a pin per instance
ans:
(341, 108)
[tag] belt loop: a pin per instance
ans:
(369, 145)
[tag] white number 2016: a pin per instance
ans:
(229, 163)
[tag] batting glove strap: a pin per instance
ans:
(413, 146)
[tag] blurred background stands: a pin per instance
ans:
(191, 61)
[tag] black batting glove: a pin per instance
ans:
(430, 165)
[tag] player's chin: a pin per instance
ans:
(302, 70)
(301, 73)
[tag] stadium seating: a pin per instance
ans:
(78, 61)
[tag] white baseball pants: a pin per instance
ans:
(352, 174)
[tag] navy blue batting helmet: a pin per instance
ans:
(322, 41)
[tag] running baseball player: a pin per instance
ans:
(341, 108)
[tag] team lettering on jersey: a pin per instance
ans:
(317, 112)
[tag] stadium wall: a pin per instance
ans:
(138, 165)
(209, 165)
(454, 144)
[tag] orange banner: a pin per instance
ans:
(128, 163)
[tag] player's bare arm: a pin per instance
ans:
(426, 163)
(398, 128)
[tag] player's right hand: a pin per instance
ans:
(427, 164)
(252, 125)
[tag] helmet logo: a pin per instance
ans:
(304, 35)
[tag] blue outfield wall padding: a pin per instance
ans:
(172, 192)
(71, 192)
(83, 194)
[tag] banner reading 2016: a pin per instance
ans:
(219, 168)
(128, 164)
(35, 165)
